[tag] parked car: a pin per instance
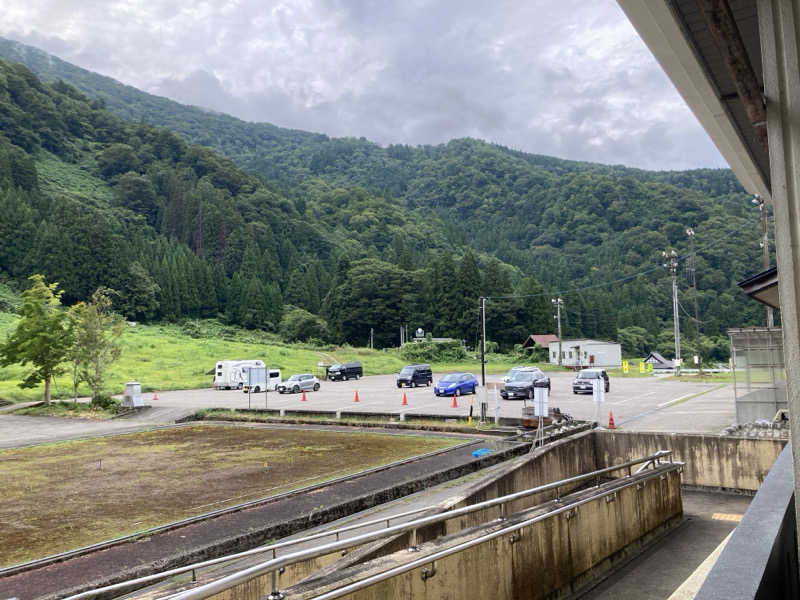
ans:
(584, 381)
(345, 371)
(522, 381)
(299, 382)
(414, 375)
(511, 372)
(456, 383)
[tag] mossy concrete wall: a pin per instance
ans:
(712, 461)
(556, 557)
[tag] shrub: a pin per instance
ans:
(433, 351)
(104, 401)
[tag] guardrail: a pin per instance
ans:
(276, 564)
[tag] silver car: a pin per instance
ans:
(299, 382)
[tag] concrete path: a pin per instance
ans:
(660, 571)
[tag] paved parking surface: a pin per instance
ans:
(636, 403)
(643, 404)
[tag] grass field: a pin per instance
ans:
(173, 357)
(71, 494)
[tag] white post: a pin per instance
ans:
(496, 407)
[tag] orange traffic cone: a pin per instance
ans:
(405, 402)
(303, 399)
(355, 399)
(155, 396)
(610, 420)
(455, 404)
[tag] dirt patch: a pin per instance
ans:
(66, 495)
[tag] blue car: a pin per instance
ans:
(456, 383)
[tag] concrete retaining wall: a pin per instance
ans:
(712, 461)
(561, 459)
(555, 557)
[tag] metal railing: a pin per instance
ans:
(276, 565)
(430, 559)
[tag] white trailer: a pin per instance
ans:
(256, 378)
(231, 374)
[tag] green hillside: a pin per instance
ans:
(367, 236)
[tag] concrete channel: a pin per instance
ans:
(621, 536)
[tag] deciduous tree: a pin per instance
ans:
(96, 331)
(42, 336)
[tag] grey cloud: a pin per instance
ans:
(567, 78)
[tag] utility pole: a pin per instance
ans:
(693, 271)
(483, 341)
(371, 335)
(558, 303)
(762, 206)
(672, 266)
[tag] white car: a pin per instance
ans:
(299, 382)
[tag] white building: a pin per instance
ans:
(586, 353)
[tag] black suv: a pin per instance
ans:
(522, 382)
(345, 371)
(584, 381)
(414, 375)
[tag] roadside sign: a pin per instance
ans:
(624, 366)
(649, 367)
(641, 367)
(598, 390)
(540, 401)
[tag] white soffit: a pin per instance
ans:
(656, 24)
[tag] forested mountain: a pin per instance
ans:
(333, 223)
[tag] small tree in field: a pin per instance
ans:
(75, 315)
(42, 336)
(96, 329)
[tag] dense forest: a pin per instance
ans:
(188, 213)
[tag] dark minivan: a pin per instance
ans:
(345, 371)
(414, 375)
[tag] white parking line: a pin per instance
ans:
(636, 398)
(663, 404)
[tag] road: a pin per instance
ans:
(642, 404)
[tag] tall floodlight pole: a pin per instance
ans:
(693, 271)
(558, 303)
(759, 201)
(672, 266)
(483, 341)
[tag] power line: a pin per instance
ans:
(620, 280)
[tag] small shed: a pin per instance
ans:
(586, 353)
(541, 340)
(658, 361)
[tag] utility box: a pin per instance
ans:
(133, 395)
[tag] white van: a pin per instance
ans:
(256, 377)
(230, 374)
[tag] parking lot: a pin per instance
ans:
(647, 403)
(640, 404)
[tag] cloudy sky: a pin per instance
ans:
(567, 78)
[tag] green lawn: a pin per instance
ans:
(168, 357)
